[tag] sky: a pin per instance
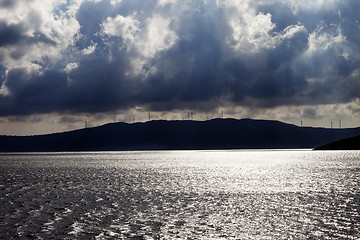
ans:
(64, 62)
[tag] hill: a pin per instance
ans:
(352, 143)
(173, 135)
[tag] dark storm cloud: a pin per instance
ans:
(309, 56)
(7, 3)
(25, 92)
(2, 75)
(195, 63)
(100, 85)
(282, 82)
(13, 35)
(10, 34)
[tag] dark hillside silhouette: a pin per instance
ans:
(173, 135)
(344, 144)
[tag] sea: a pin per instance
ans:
(235, 194)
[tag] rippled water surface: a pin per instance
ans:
(181, 195)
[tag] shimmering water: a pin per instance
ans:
(181, 195)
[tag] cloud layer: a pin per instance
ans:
(83, 56)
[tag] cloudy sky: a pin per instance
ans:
(64, 62)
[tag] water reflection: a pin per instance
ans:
(181, 194)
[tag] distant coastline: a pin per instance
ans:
(352, 143)
(180, 135)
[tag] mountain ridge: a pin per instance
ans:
(178, 135)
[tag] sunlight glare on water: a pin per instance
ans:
(181, 194)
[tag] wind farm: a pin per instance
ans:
(181, 135)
